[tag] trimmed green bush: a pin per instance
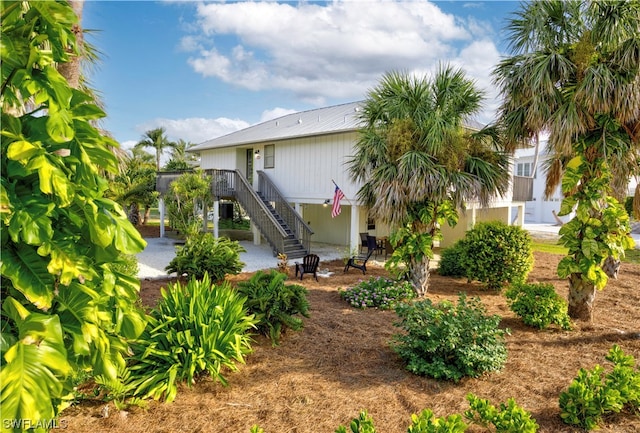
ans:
(593, 394)
(447, 341)
(538, 305)
(509, 418)
(202, 253)
(496, 253)
(362, 424)
(451, 261)
(378, 292)
(275, 303)
(196, 328)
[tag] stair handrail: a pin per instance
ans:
(233, 183)
(302, 231)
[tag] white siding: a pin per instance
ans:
(219, 158)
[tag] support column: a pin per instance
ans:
(216, 214)
(161, 209)
(354, 229)
(256, 234)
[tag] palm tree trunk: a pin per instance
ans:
(582, 295)
(611, 267)
(419, 275)
(71, 70)
(147, 212)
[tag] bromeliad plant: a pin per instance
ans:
(274, 303)
(378, 292)
(198, 328)
(68, 301)
(203, 254)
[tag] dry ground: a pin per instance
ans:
(341, 363)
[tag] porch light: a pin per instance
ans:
(257, 153)
(326, 202)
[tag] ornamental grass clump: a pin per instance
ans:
(196, 329)
(448, 341)
(378, 292)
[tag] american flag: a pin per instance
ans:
(337, 196)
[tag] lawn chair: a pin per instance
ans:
(360, 262)
(309, 265)
(363, 241)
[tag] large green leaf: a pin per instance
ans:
(34, 367)
(28, 273)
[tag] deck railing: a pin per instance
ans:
(232, 184)
(294, 221)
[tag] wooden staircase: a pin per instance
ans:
(278, 222)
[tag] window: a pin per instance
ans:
(371, 223)
(524, 169)
(269, 156)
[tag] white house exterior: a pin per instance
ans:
(303, 154)
(540, 210)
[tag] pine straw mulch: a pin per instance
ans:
(341, 363)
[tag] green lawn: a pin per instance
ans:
(551, 246)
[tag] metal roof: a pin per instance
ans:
(321, 121)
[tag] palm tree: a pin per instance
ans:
(574, 75)
(155, 138)
(418, 163)
(135, 185)
(180, 159)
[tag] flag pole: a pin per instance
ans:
(345, 197)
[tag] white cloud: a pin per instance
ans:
(337, 50)
(275, 113)
(196, 129)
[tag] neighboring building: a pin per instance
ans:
(290, 165)
(541, 210)
(538, 210)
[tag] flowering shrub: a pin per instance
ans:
(380, 292)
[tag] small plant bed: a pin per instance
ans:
(377, 292)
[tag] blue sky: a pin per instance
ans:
(204, 69)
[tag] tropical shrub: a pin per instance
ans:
(66, 307)
(203, 254)
(437, 341)
(426, 422)
(197, 328)
(593, 394)
(451, 261)
(496, 253)
(362, 424)
(538, 305)
(509, 418)
(378, 292)
(274, 303)
(188, 192)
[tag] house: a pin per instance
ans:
(539, 209)
(284, 172)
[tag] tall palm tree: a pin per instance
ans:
(180, 159)
(157, 139)
(418, 163)
(574, 75)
